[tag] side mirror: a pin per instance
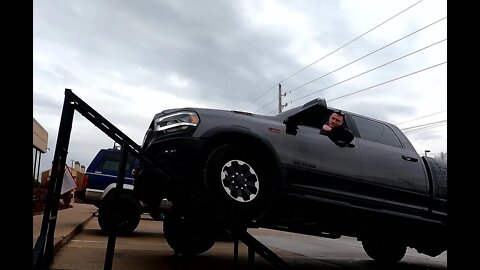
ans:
(291, 126)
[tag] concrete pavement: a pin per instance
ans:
(70, 221)
(147, 248)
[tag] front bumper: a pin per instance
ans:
(181, 158)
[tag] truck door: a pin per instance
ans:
(394, 174)
(317, 165)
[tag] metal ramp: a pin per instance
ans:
(255, 246)
(43, 250)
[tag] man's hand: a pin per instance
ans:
(327, 128)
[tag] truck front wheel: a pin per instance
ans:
(238, 181)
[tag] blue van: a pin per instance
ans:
(101, 174)
(120, 213)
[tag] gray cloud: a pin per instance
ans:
(384, 112)
(165, 38)
(44, 101)
(216, 53)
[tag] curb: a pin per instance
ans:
(64, 239)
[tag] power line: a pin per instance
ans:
(272, 111)
(387, 81)
(349, 94)
(316, 61)
(295, 73)
(426, 127)
(259, 97)
(335, 84)
(377, 50)
(423, 125)
(265, 105)
(420, 117)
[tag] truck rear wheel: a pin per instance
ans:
(119, 214)
(384, 249)
(188, 234)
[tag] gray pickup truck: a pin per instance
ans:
(281, 172)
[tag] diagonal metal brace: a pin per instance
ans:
(254, 245)
(43, 250)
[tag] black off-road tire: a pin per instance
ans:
(188, 234)
(119, 214)
(384, 250)
(238, 181)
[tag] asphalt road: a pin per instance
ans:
(147, 249)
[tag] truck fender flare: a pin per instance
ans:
(113, 186)
(222, 130)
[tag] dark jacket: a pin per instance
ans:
(341, 134)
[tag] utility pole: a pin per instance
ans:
(426, 151)
(279, 98)
(280, 105)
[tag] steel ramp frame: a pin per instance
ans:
(254, 246)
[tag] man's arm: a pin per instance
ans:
(326, 128)
(341, 134)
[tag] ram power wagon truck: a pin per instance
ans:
(232, 168)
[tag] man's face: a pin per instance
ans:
(335, 120)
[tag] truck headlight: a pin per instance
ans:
(176, 121)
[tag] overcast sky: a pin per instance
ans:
(132, 59)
